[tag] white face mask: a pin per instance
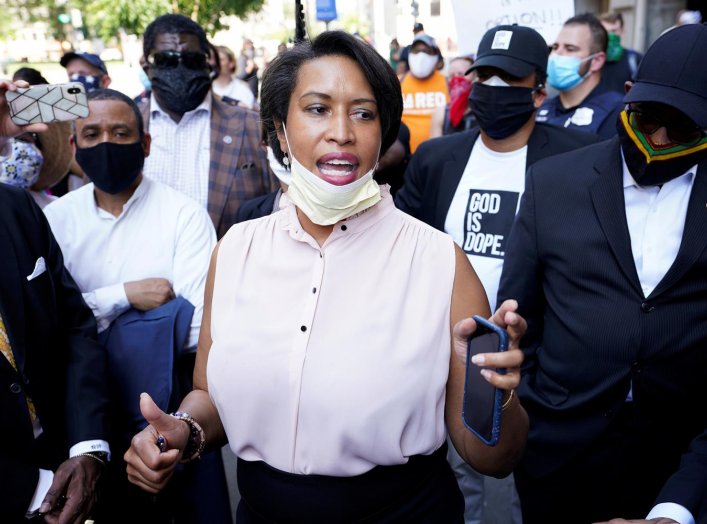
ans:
(324, 203)
(422, 64)
(280, 171)
(496, 81)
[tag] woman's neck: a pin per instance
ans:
(319, 233)
(222, 80)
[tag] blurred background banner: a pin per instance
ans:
(326, 10)
(475, 17)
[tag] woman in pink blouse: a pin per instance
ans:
(333, 344)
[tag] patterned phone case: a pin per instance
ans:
(47, 103)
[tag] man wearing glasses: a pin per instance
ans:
(204, 147)
(608, 261)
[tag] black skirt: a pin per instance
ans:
(422, 491)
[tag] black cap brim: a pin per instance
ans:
(509, 64)
(693, 106)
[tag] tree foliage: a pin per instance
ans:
(107, 17)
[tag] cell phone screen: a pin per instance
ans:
(479, 395)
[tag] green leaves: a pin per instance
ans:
(108, 17)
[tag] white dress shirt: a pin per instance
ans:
(180, 153)
(160, 234)
(656, 221)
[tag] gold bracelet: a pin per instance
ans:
(508, 401)
(93, 456)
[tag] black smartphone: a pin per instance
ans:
(481, 409)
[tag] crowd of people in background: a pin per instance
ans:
(285, 260)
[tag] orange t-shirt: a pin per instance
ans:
(420, 99)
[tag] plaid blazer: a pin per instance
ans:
(238, 165)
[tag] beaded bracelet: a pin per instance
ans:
(197, 439)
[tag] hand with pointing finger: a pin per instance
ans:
(149, 467)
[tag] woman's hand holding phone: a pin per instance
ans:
(507, 318)
(492, 346)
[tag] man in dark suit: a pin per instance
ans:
(52, 372)
(205, 147)
(608, 266)
(468, 184)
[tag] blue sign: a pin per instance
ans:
(326, 10)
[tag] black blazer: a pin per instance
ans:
(257, 207)
(591, 331)
(688, 486)
(437, 166)
(62, 368)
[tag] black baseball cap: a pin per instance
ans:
(516, 49)
(91, 58)
(674, 72)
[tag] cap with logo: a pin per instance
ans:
(673, 72)
(516, 49)
(91, 58)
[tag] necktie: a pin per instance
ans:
(6, 350)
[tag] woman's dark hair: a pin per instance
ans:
(280, 79)
(29, 75)
(172, 24)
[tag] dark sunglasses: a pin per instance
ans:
(683, 132)
(171, 59)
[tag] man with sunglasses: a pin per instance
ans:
(607, 259)
(202, 146)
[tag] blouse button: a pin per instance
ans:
(344, 228)
(314, 290)
(303, 328)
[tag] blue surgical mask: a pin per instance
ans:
(144, 79)
(563, 71)
(90, 82)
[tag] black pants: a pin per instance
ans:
(423, 491)
(620, 475)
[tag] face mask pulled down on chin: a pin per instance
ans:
(499, 108)
(650, 165)
(180, 89)
(112, 167)
(324, 203)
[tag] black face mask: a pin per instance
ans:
(657, 172)
(112, 167)
(501, 110)
(180, 89)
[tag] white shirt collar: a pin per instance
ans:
(140, 191)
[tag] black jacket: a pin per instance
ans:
(437, 166)
(52, 333)
(593, 335)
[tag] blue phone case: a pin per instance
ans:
(483, 327)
